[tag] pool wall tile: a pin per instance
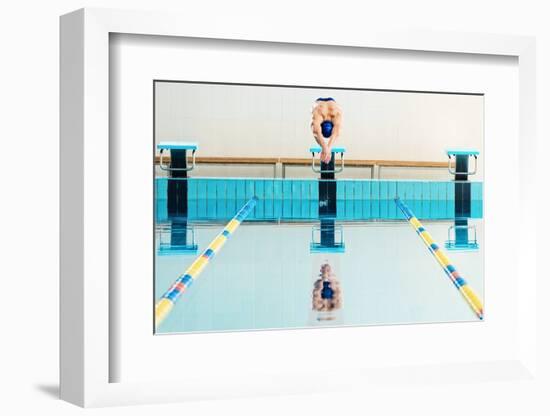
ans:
(268, 195)
(349, 195)
(296, 198)
(366, 199)
(357, 203)
(221, 199)
(477, 199)
(277, 198)
(259, 191)
(357, 199)
(384, 205)
(450, 199)
(417, 196)
(375, 199)
(434, 203)
(340, 190)
(426, 200)
(392, 207)
(442, 200)
(241, 195)
(211, 199)
(231, 192)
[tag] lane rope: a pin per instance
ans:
(166, 303)
(439, 254)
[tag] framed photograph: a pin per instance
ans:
(249, 215)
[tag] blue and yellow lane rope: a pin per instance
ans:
(182, 283)
(450, 270)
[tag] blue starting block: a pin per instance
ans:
(177, 196)
(462, 239)
(170, 250)
(462, 157)
(463, 199)
(328, 167)
(178, 169)
(182, 240)
(177, 149)
(327, 242)
(317, 149)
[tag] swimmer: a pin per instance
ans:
(325, 124)
(327, 293)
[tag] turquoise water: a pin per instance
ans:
(264, 277)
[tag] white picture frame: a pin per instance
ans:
(85, 205)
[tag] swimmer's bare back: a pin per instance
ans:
(326, 110)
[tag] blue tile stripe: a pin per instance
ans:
(298, 199)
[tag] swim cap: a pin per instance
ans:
(326, 128)
(325, 99)
(327, 292)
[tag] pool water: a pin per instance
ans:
(264, 276)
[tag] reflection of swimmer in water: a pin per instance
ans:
(325, 123)
(327, 293)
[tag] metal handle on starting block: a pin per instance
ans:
(170, 169)
(319, 170)
(454, 172)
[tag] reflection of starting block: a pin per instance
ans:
(328, 167)
(178, 156)
(327, 241)
(463, 199)
(462, 159)
(461, 240)
(182, 240)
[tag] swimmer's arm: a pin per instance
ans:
(337, 122)
(324, 156)
(316, 129)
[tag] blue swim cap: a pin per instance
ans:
(327, 292)
(326, 128)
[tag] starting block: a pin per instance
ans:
(327, 242)
(177, 149)
(182, 240)
(462, 158)
(462, 239)
(335, 150)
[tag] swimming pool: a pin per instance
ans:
(266, 274)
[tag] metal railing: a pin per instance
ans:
(280, 164)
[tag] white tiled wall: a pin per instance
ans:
(234, 120)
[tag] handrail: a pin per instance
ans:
(306, 162)
(230, 160)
